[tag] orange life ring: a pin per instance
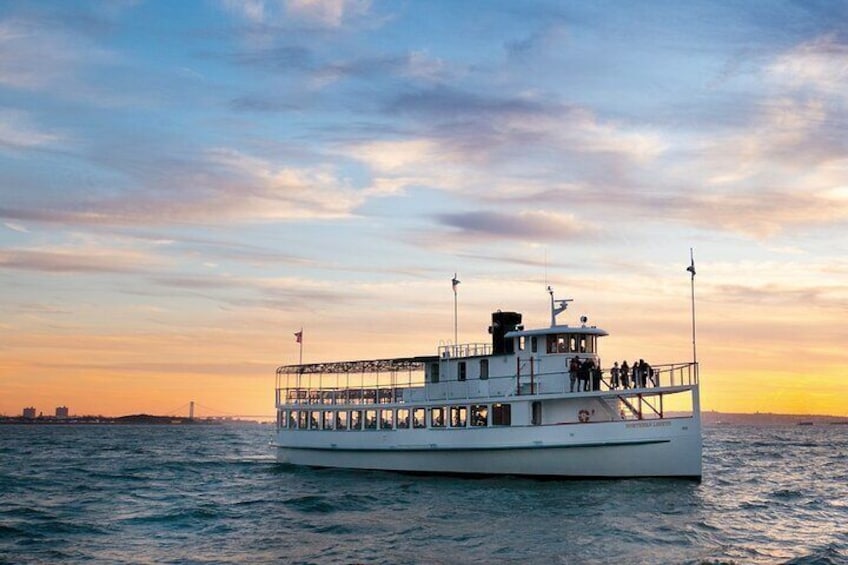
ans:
(583, 415)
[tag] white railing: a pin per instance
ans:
(463, 350)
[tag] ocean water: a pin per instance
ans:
(213, 494)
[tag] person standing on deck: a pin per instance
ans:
(634, 372)
(614, 375)
(643, 373)
(596, 376)
(573, 369)
(625, 374)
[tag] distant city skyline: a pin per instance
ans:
(184, 186)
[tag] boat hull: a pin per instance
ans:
(623, 449)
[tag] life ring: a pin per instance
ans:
(583, 415)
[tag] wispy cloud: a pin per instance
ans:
(528, 226)
(320, 13)
(222, 186)
(73, 260)
(18, 132)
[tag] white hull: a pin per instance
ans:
(651, 448)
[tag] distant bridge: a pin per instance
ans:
(194, 410)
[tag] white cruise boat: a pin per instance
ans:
(509, 406)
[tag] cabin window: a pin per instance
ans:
(460, 371)
(501, 414)
(533, 344)
(341, 420)
(293, 419)
(370, 419)
(387, 419)
(327, 422)
(302, 420)
(418, 415)
(437, 417)
(281, 418)
(434, 373)
(521, 343)
(458, 416)
(314, 417)
(484, 369)
(479, 415)
(572, 343)
(356, 419)
(403, 418)
(582, 344)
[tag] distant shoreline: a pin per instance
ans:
(133, 419)
(712, 418)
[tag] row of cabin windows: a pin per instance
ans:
(476, 415)
(560, 343)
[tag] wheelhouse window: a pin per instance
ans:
(533, 344)
(387, 419)
(403, 418)
(522, 343)
(458, 416)
(479, 415)
(484, 369)
(460, 371)
(437, 417)
(418, 415)
(501, 414)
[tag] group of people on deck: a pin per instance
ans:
(588, 376)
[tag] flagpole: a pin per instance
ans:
(300, 343)
(691, 269)
(454, 282)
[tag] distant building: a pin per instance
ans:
(62, 412)
(29, 412)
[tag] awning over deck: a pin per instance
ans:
(363, 366)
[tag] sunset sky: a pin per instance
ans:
(184, 185)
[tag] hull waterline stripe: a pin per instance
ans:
(480, 448)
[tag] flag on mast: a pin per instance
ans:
(691, 267)
(298, 336)
(454, 282)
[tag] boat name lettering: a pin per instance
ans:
(647, 424)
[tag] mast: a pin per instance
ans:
(454, 282)
(557, 306)
(691, 269)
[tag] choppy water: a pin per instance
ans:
(212, 494)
